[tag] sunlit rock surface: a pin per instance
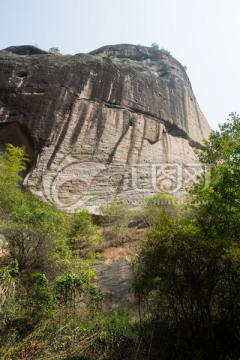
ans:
(119, 123)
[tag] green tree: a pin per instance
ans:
(155, 46)
(45, 275)
(35, 232)
(8, 292)
(54, 50)
(221, 200)
(187, 275)
(69, 290)
(83, 233)
(12, 163)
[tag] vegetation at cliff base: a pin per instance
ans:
(187, 275)
(186, 269)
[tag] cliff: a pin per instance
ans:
(119, 122)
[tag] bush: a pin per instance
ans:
(155, 46)
(54, 50)
(181, 278)
(83, 233)
(115, 214)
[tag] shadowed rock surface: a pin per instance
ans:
(120, 122)
(115, 280)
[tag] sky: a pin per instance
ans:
(201, 34)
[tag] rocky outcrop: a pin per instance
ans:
(115, 279)
(120, 122)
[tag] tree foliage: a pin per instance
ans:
(222, 198)
(38, 235)
(12, 163)
(83, 233)
(155, 46)
(187, 276)
(54, 50)
(37, 245)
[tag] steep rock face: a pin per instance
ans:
(120, 122)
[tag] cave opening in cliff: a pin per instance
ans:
(15, 134)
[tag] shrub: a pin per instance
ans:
(83, 233)
(155, 46)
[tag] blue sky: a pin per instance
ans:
(201, 34)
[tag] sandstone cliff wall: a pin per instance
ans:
(120, 122)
